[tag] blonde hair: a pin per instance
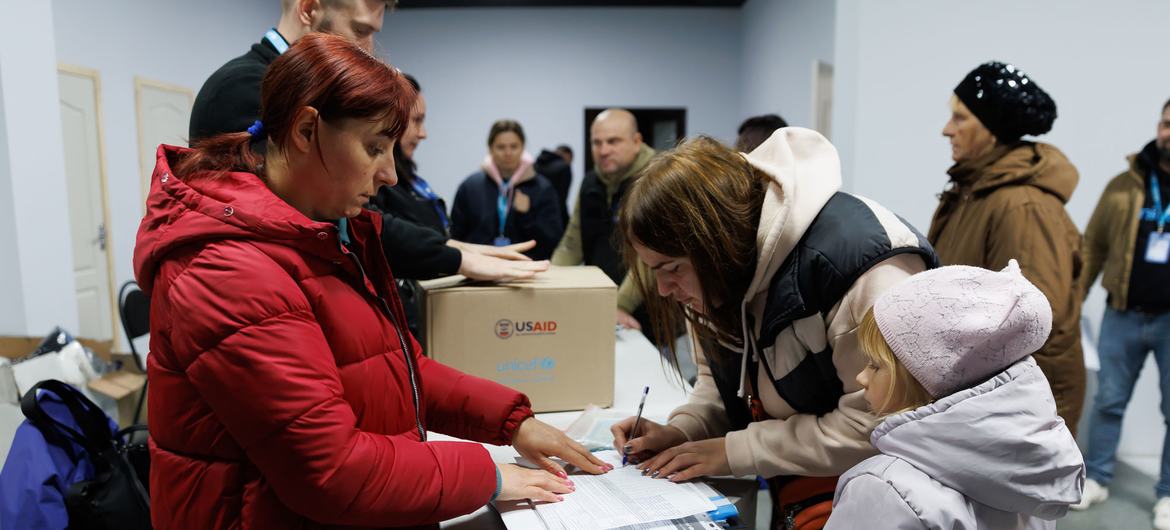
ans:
(905, 392)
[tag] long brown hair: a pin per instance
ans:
(701, 201)
(322, 71)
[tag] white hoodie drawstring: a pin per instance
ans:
(748, 351)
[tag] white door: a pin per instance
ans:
(822, 93)
(85, 178)
(164, 112)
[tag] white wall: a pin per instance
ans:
(39, 259)
(542, 67)
(902, 59)
(11, 292)
(173, 41)
(780, 41)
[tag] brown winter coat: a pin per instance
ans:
(1009, 204)
(1112, 233)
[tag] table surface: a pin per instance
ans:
(637, 365)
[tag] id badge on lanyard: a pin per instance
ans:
(1158, 246)
(502, 211)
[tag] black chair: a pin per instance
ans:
(134, 310)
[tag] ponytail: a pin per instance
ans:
(219, 154)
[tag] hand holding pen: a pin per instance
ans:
(637, 420)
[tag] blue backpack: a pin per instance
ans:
(70, 466)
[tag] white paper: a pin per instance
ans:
(591, 428)
(622, 497)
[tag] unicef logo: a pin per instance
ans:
(504, 328)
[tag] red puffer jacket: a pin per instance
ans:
(280, 395)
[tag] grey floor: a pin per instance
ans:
(1130, 505)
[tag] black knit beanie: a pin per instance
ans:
(1006, 101)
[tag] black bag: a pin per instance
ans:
(115, 497)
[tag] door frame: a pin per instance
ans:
(95, 76)
(141, 83)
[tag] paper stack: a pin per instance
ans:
(622, 498)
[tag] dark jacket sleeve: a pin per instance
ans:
(416, 252)
(543, 221)
(460, 217)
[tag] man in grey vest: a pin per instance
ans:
(618, 156)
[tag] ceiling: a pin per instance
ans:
(415, 4)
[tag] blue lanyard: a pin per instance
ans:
(424, 190)
(343, 230)
(502, 207)
(1156, 213)
(273, 37)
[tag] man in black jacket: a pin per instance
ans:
(229, 100)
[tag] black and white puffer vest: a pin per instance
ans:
(849, 236)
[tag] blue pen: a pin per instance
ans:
(637, 420)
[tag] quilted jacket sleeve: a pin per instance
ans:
(261, 362)
(866, 499)
(470, 407)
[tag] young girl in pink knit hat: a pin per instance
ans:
(970, 437)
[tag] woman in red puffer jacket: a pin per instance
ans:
(284, 389)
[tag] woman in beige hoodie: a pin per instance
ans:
(774, 268)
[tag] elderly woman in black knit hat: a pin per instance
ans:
(1005, 200)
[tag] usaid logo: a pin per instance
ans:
(504, 329)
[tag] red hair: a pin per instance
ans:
(322, 71)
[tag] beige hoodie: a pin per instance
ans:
(806, 173)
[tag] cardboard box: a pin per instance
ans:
(551, 337)
(20, 347)
(122, 387)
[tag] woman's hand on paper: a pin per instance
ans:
(521, 483)
(538, 441)
(690, 460)
(487, 268)
(651, 438)
(510, 252)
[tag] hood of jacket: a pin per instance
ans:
(231, 205)
(1034, 164)
(524, 172)
(1000, 443)
(805, 173)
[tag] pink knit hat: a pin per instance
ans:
(953, 327)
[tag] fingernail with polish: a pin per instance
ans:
(559, 498)
(654, 475)
(562, 474)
